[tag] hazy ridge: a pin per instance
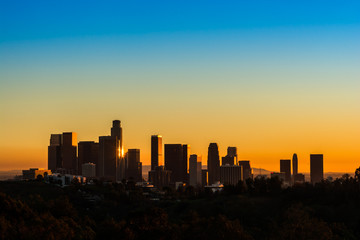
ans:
(10, 174)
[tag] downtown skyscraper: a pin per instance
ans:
(116, 132)
(88, 152)
(195, 170)
(134, 166)
(246, 168)
(213, 164)
(111, 162)
(316, 168)
(285, 167)
(62, 152)
(54, 152)
(295, 164)
(157, 158)
(176, 162)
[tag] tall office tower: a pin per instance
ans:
(69, 152)
(116, 131)
(134, 166)
(54, 152)
(295, 164)
(232, 152)
(195, 170)
(160, 177)
(285, 167)
(156, 151)
(186, 155)
(316, 168)
(108, 161)
(174, 161)
(246, 169)
(88, 152)
(204, 177)
(230, 175)
(213, 164)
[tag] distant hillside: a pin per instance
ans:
(261, 171)
(6, 175)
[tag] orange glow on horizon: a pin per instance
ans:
(264, 134)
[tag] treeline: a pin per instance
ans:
(257, 209)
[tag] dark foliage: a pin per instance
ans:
(255, 209)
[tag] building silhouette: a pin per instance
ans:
(109, 154)
(295, 164)
(195, 170)
(176, 162)
(231, 157)
(69, 151)
(134, 166)
(230, 174)
(204, 177)
(34, 173)
(246, 168)
(316, 168)
(232, 152)
(186, 155)
(213, 164)
(160, 177)
(116, 132)
(88, 152)
(62, 152)
(285, 167)
(156, 151)
(54, 152)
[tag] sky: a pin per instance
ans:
(272, 78)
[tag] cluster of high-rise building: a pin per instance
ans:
(104, 159)
(316, 170)
(179, 166)
(171, 164)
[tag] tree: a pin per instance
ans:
(357, 175)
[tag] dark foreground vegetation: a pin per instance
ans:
(259, 209)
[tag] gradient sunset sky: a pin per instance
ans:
(272, 78)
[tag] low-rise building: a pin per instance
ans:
(64, 179)
(34, 173)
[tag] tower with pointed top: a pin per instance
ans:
(213, 164)
(295, 164)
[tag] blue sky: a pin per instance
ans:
(34, 20)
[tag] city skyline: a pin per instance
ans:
(108, 160)
(271, 79)
(54, 142)
(180, 119)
